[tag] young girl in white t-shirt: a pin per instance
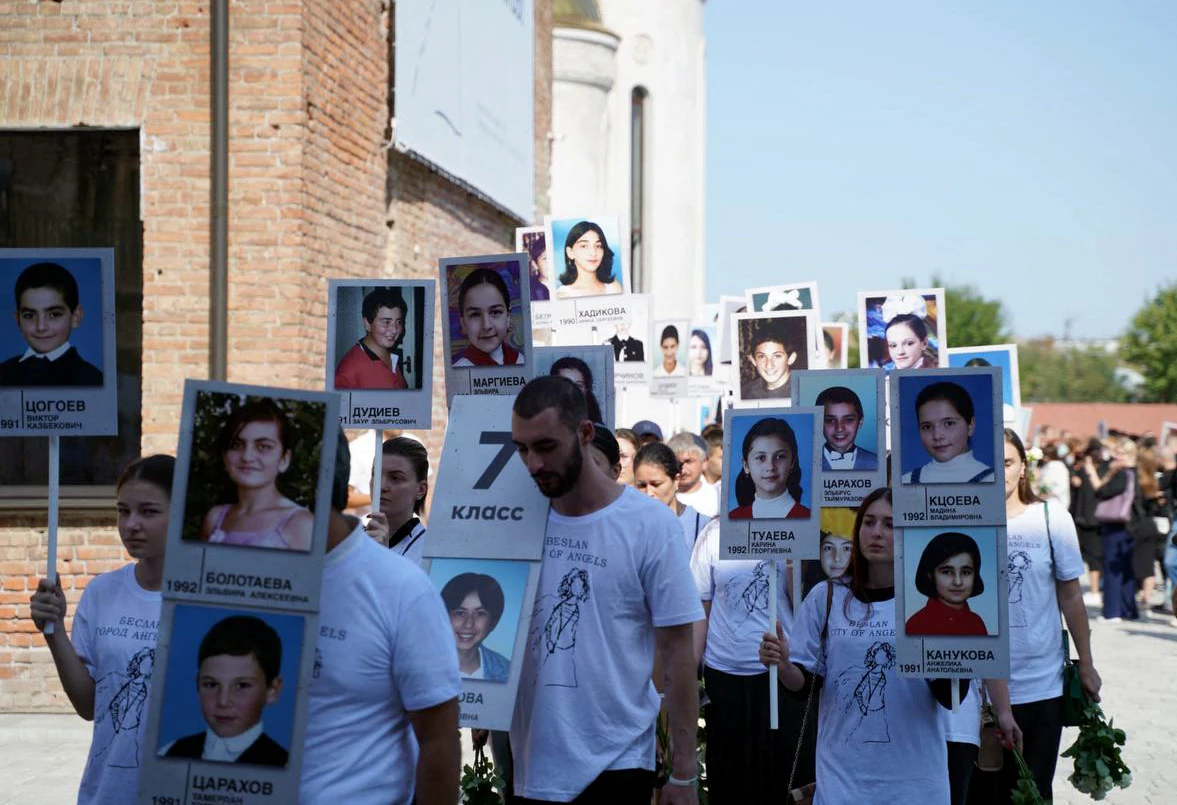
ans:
(106, 669)
(881, 736)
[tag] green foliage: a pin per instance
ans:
(1098, 764)
(481, 783)
(1151, 345)
(1026, 791)
(209, 484)
(973, 320)
(1049, 374)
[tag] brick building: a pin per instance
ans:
(104, 139)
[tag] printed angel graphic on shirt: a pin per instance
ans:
(118, 723)
(864, 691)
(744, 596)
(553, 638)
(1018, 567)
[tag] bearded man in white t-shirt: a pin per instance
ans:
(693, 489)
(382, 710)
(615, 586)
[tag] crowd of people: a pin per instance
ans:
(657, 615)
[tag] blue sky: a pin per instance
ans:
(1025, 148)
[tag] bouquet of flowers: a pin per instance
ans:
(1098, 766)
(481, 782)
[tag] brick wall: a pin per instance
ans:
(313, 194)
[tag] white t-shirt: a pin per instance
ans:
(964, 726)
(385, 649)
(114, 632)
(1035, 630)
(956, 470)
(692, 523)
(704, 500)
(738, 592)
(880, 735)
(586, 702)
(413, 543)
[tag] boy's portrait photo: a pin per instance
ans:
(590, 368)
(771, 467)
(485, 599)
(253, 471)
(835, 344)
(850, 404)
(56, 335)
(946, 429)
(628, 338)
(379, 337)
(1004, 356)
(230, 697)
(670, 360)
(486, 313)
(793, 296)
(902, 329)
(587, 255)
(951, 582)
(769, 348)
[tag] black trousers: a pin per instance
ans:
(617, 787)
(746, 761)
(1042, 730)
(962, 760)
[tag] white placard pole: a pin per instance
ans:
(378, 469)
(54, 500)
(955, 696)
(772, 671)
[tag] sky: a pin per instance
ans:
(1028, 149)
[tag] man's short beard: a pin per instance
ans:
(568, 476)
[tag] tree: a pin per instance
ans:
(1049, 374)
(973, 320)
(1151, 345)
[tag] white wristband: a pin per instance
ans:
(672, 780)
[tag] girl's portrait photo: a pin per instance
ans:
(578, 370)
(950, 573)
(775, 469)
(484, 599)
(530, 240)
(1004, 356)
(670, 358)
(699, 354)
(485, 314)
(253, 471)
(589, 256)
(902, 329)
(939, 419)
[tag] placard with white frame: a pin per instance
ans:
(947, 447)
(772, 479)
(57, 350)
(668, 359)
(382, 367)
(853, 446)
(769, 347)
(487, 333)
(1004, 356)
(488, 519)
(902, 329)
(590, 368)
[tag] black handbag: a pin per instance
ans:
(1075, 699)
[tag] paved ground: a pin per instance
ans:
(44, 754)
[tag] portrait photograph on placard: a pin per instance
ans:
(951, 581)
(231, 687)
(588, 255)
(903, 329)
(55, 336)
(835, 344)
(670, 360)
(379, 337)
(851, 423)
(837, 545)
(532, 241)
(772, 473)
(946, 426)
(728, 307)
(590, 368)
(253, 470)
(484, 598)
(485, 312)
(769, 348)
(792, 296)
(700, 352)
(1004, 356)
